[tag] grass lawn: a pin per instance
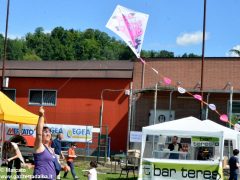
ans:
(104, 172)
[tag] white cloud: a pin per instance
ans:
(233, 54)
(190, 38)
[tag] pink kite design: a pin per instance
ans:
(130, 25)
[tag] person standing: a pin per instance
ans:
(57, 145)
(12, 156)
(234, 165)
(70, 159)
(43, 154)
(175, 147)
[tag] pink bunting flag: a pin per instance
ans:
(167, 81)
(197, 96)
(224, 118)
(212, 107)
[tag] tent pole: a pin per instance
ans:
(2, 136)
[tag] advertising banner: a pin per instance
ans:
(178, 171)
(73, 133)
(205, 141)
(13, 129)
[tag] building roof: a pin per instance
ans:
(218, 72)
(66, 69)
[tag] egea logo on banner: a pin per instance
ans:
(15, 131)
(69, 133)
(75, 133)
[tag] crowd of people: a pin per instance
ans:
(47, 155)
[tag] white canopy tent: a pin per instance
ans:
(191, 126)
(229, 134)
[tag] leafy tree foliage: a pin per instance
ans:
(236, 51)
(63, 44)
(190, 55)
(157, 54)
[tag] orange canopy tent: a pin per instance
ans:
(10, 112)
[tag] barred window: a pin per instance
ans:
(42, 97)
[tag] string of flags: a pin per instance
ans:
(130, 25)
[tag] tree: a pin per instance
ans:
(39, 42)
(190, 55)
(166, 54)
(1, 45)
(31, 56)
(16, 49)
(236, 51)
(64, 44)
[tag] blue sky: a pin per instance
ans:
(174, 25)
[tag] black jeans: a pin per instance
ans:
(17, 165)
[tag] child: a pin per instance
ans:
(92, 173)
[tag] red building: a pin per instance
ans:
(71, 92)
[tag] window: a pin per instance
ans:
(42, 97)
(11, 93)
(236, 107)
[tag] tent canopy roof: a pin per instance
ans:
(10, 112)
(189, 126)
(228, 133)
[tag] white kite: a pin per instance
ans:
(130, 25)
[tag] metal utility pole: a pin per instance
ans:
(100, 126)
(203, 51)
(229, 117)
(5, 47)
(129, 116)
(3, 72)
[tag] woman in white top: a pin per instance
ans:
(12, 155)
(92, 173)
